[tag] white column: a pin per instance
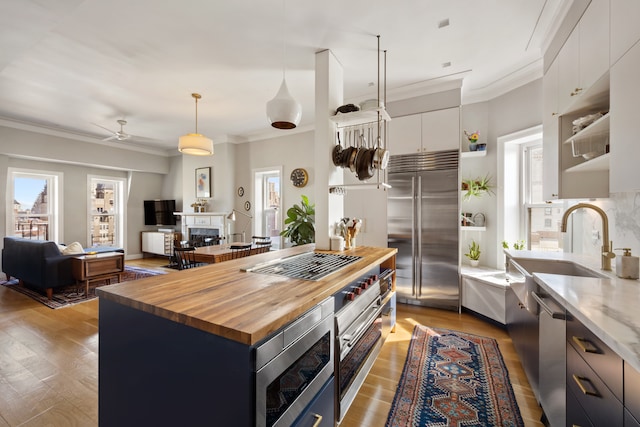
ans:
(329, 96)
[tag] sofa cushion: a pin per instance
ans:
(72, 249)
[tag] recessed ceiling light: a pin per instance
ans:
(446, 64)
(443, 23)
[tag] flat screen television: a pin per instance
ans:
(159, 212)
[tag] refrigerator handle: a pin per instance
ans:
(414, 247)
(418, 233)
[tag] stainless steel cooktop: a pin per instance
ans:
(308, 266)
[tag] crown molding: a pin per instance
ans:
(79, 136)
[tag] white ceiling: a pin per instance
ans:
(70, 64)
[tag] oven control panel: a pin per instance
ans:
(355, 289)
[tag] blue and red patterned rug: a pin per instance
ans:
(453, 378)
(70, 295)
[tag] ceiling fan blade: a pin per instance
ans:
(110, 138)
(100, 126)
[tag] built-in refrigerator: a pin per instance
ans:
(423, 217)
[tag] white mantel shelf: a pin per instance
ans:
(201, 213)
(216, 220)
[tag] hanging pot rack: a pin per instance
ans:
(359, 130)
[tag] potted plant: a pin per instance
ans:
(517, 245)
(473, 140)
(476, 187)
(473, 254)
(300, 223)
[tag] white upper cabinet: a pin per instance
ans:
(431, 131)
(405, 135)
(625, 31)
(550, 132)
(569, 71)
(441, 130)
(594, 42)
(625, 149)
(584, 57)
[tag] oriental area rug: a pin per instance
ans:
(453, 378)
(70, 295)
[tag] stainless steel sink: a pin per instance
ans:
(520, 275)
(566, 268)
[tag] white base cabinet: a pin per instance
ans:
(158, 242)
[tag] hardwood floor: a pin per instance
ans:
(49, 362)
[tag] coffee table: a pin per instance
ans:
(101, 266)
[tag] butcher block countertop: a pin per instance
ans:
(241, 306)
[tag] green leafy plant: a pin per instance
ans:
(300, 223)
(517, 245)
(474, 251)
(476, 187)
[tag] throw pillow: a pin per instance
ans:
(73, 248)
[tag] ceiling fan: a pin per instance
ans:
(120, 135)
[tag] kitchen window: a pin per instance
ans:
(540, 220)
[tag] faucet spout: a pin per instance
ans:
(606, 255)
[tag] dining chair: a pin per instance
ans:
(186, 257)
(262, 244)
(240, 251)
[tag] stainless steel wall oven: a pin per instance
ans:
(293, 366)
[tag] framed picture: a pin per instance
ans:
(203, 182)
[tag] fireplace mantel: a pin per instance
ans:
(203, 220)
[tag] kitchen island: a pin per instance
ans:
(180, 349)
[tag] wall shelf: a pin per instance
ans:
(360, 117)
(467, 154)
(472, 228)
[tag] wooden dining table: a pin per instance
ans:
(219, 253)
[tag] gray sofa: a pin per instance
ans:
(38, 264)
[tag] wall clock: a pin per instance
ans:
(247, 205)
(240, 191)
(299, 177)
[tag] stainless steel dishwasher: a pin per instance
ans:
(553, 359)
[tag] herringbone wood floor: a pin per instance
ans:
(49, 362)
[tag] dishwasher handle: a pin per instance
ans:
(554, 314)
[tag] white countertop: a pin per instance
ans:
(609, 307)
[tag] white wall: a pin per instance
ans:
(289, 151)
(75, 159)
(514, 111)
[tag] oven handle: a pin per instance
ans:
(352, 339)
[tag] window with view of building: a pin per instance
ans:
(34, 204)
(106, 212)
(542, 219)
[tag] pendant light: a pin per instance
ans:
(195, 143)
(283, 111)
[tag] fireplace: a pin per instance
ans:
(201, 236)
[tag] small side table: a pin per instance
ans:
(102, 266)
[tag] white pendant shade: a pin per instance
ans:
(195, 144)
(283, 111)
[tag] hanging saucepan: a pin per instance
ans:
(365, 168)
(381, 157)
(337, 152)
(352, 158)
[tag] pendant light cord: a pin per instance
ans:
(196, 114)
(284, 41)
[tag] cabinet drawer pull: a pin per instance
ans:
(318, 420)
(583, 389)
(585, 345)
